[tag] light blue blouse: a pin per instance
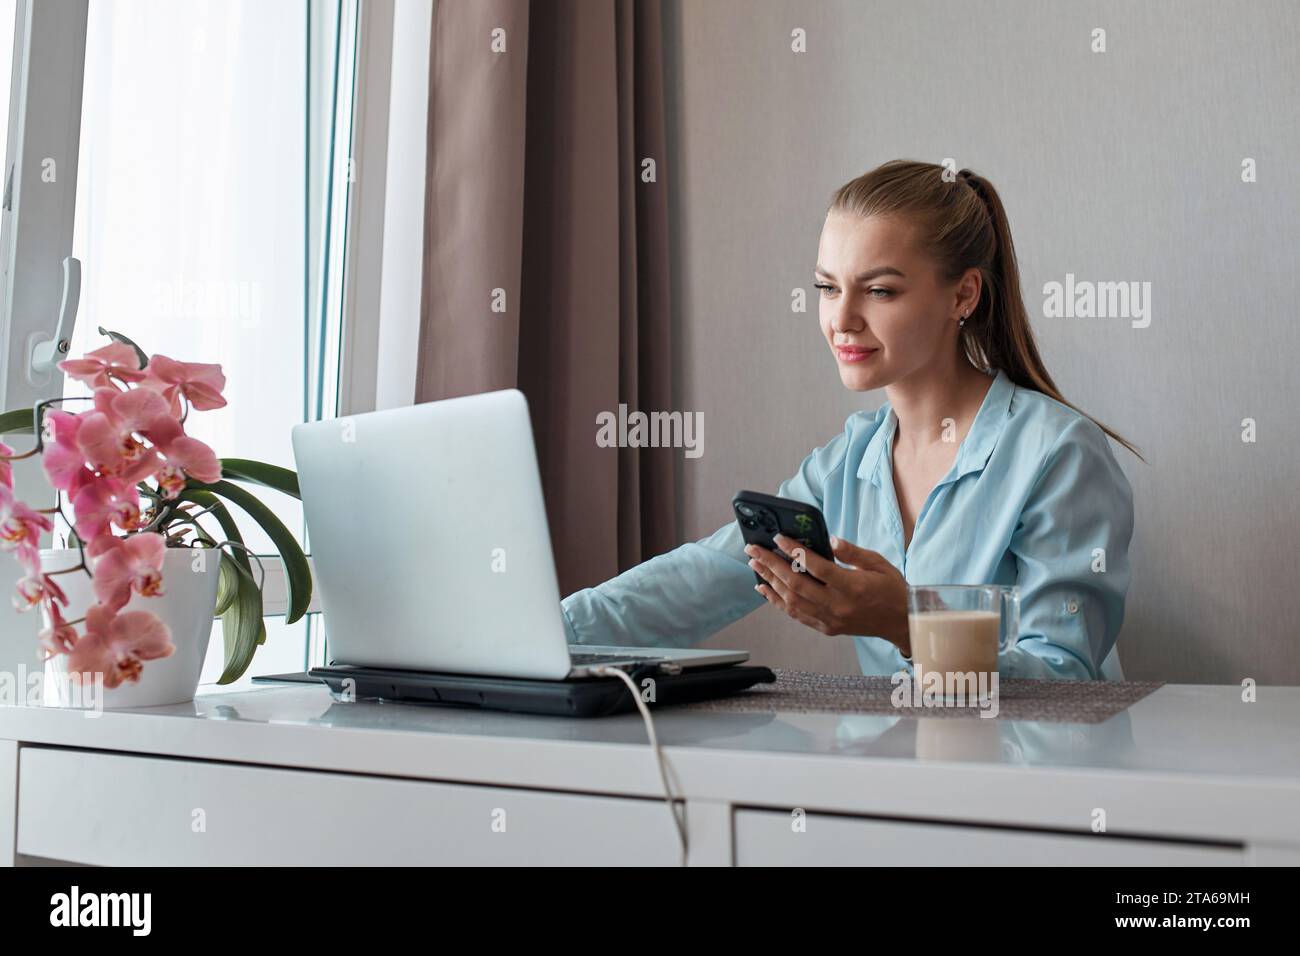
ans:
(1034, 498)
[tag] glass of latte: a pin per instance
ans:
(958, 630)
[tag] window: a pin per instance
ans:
(207, 199)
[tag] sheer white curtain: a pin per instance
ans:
(193, 222)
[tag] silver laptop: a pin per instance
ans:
(428, 534)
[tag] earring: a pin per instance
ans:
(962, 323)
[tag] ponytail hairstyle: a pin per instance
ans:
(963, 225)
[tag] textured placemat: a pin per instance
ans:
(801, 692)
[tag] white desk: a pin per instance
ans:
(284, 774)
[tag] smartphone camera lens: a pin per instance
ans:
(745, 510)
(749, 523)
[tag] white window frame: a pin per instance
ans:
(44, 126)
(385, 228)
(382, 274)
(382, 280)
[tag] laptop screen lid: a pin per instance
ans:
(428, 534)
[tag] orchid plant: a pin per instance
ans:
(137, 485)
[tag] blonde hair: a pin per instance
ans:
(962, 225)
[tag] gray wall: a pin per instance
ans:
(1122, 166)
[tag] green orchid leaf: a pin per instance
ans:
(21, 421)
(119, 337)
(242, 627)
(259, 472)
(297, 571)
(227, 585)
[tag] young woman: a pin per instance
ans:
(975, 471)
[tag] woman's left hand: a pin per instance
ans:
(868, 598)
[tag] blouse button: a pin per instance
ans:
(1072, 607)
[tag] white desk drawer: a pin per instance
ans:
(766, 838)
(112, 809)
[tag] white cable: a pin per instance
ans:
(678, 819)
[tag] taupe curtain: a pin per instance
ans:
(541, 115)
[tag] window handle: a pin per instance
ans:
(45, 352)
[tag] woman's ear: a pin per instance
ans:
(968, 292)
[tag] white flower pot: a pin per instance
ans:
(186, 606)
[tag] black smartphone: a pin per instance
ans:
(762, 517)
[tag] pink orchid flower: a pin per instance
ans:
(111, 450)
(141, 411)
(29, 556)
(101, 544)
(171, 479)
(147, 413)
(23, 526)
(194, 458)
(137, 411)
(65, 465)
(200, 382)
(97, 368)
(116, 645)
(60, 637)
(107, 438)
(129, 564)
(20, 531)
(35, 588)
(6, 469)
(35, 581)
(104, 502)
(6, 482)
